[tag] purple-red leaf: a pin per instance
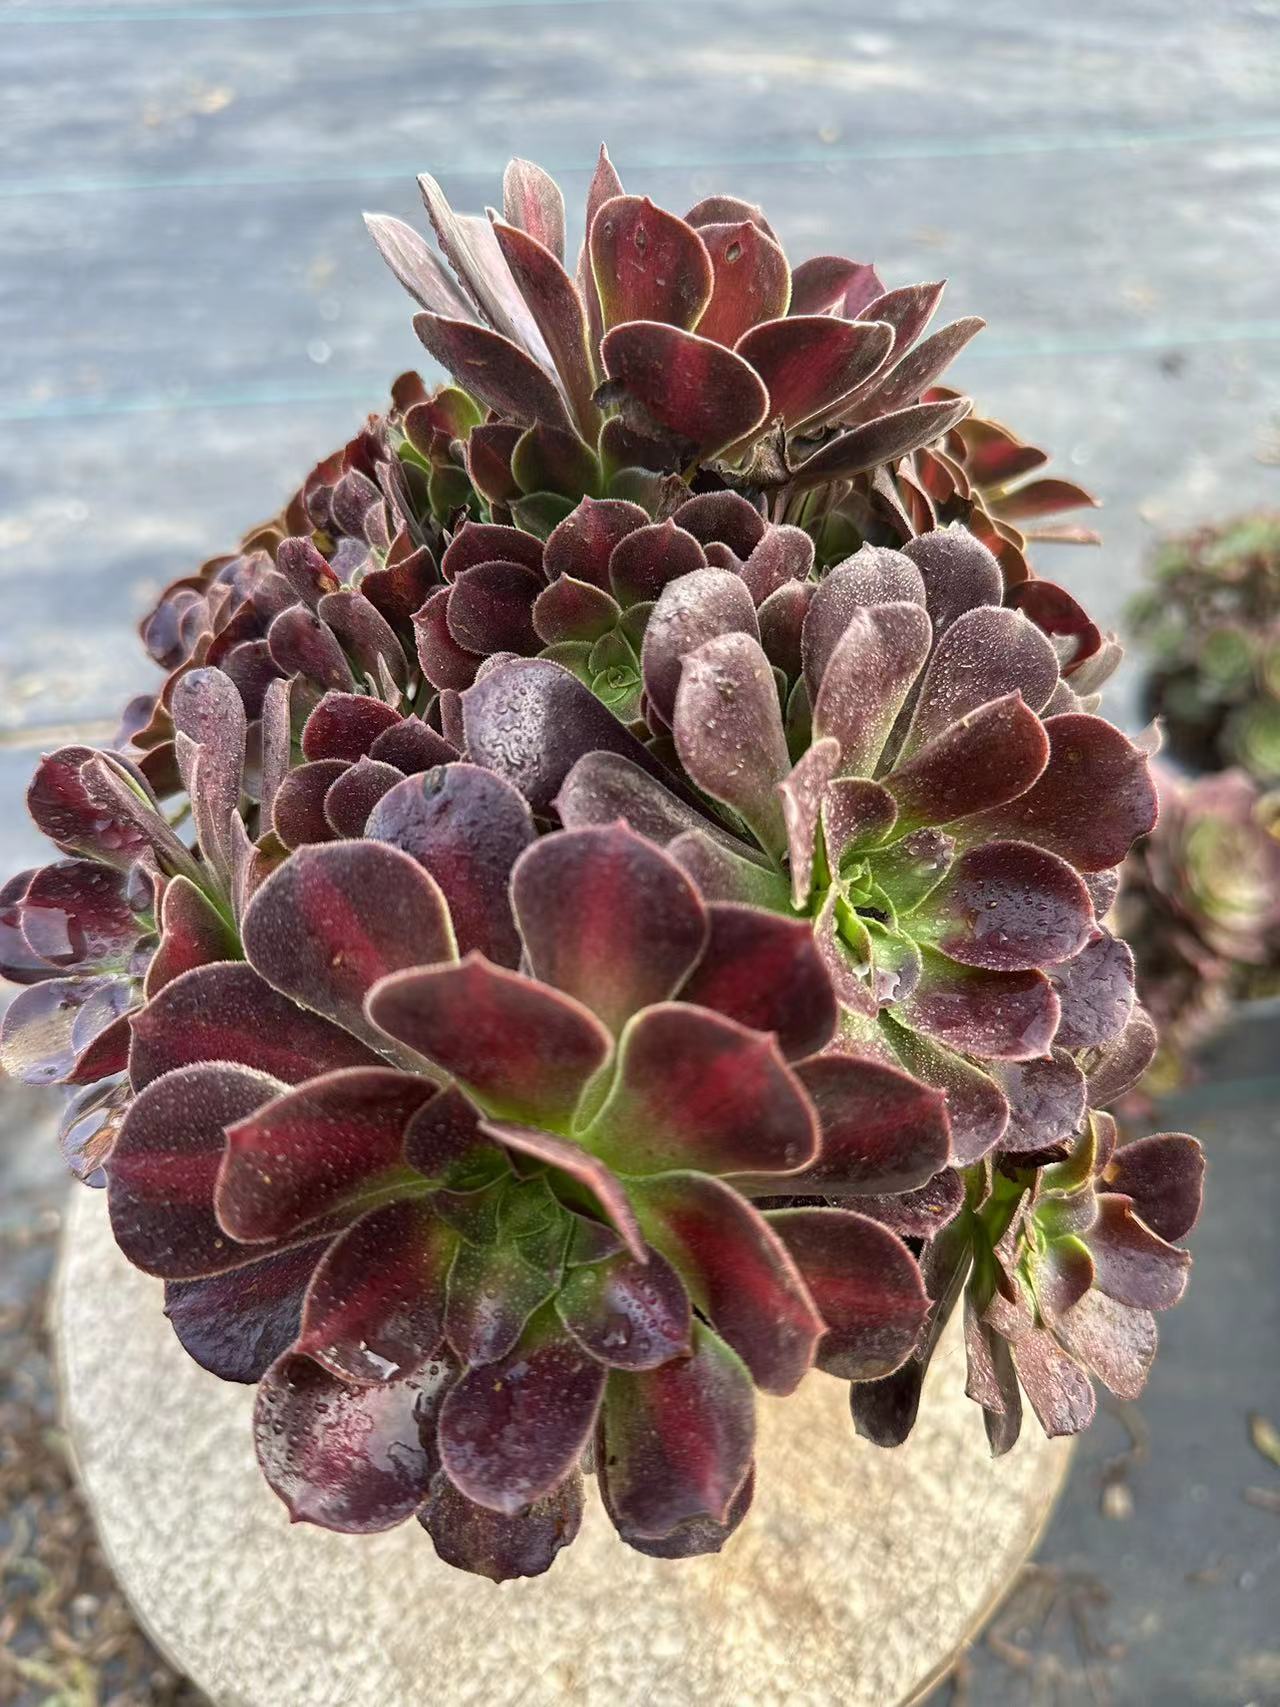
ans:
(345, 726)
(690, 610)
(226, 1012)
(1007, 906)
(696, 1090)
(751, 279)
(738, 1272)
(1094, 798)
(608, 918)
(985, 654)
(881, 1130)
(676, 1442)
(512, 1431)
(703, 393)
(493, 369)
(1060, 1392)
(1134, 1265)
(297, 812)
(866, 1285)
(237, 1324)
(627, 1314)
(1009, 1015)
(1095, 989)
(522, 1049)
(809, 362)
(354, 1459)
(1116, 1343)
(466, 827)
(311, 932)
(648, 265)
(489, 1544)
(647, 558)
(320, 1147)
(165, 1166)
(530, 720)
(883, 440)
(764, 971)
(989, 758)
(867, 679)
(728, 732)
(1164, 1176)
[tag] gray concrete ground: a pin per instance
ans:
(190, 315)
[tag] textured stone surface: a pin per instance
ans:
(852, 1582)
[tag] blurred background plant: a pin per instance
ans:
(1200, 907)
(1209, 618)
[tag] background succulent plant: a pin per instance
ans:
(1210, 620)
(590, 927)
(1200, 905)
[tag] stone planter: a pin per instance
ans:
(857, 1577)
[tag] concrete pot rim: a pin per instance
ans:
(120, 1482)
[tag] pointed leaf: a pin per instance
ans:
(989, 758)
(1093, 800)
(237, 1324)
(728, 731)
(472, 1538)
(530, 720)
(531, 201)
(1164, 1176)
(414, 264)
(648, 265)
(627, 1314)
(867, 680)
(321, 1147)
(764, 971)
(1008, 907)
(493, 369)
(1095, 989)
(883, 440)
(1134, 1265)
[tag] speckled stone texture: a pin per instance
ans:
(854, 1580)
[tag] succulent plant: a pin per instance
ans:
(1210, 619)
(590, 927)
(1200, 905)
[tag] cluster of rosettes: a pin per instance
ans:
(627, 933)
(1200, 905)
(1210, 618)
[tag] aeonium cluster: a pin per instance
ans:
(607, 912)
